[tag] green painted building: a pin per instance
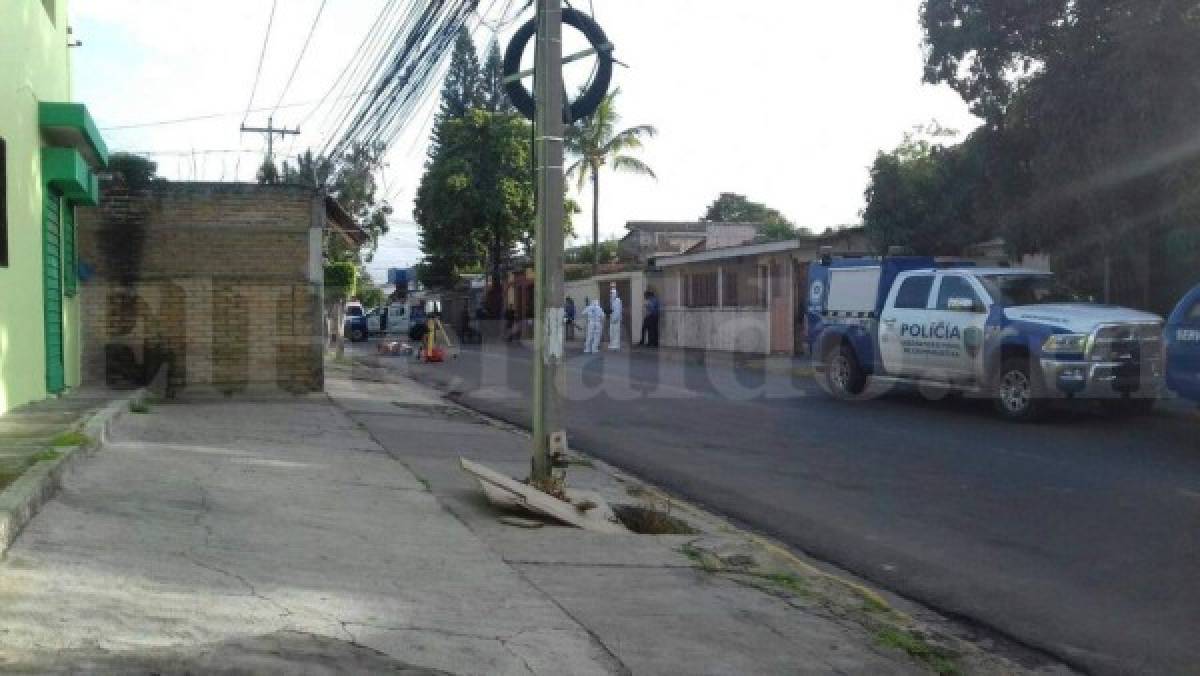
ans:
(49, 153)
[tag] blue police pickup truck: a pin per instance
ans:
(1183, 347)
(1011, 334)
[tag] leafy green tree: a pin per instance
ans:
(340, 282)
(135, 171)
(608, 250)
(734, 208)
(461, 90)
(1098, 100)
(370, 295)
(492, 97)
(268, 173)
(351, 180)
(923, 196)
(595, 142)
(778, 232)
(475, 200)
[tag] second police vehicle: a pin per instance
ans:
(1012, 334)
(1183, 347)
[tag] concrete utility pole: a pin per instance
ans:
(549, 127)
(271, 130)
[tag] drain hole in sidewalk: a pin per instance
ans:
(648, 521)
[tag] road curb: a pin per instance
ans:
(21, 500)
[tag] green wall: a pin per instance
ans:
(34, 66)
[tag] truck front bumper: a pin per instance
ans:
(1103, 380)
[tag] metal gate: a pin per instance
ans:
(52, 293)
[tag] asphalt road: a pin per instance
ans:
(1079, 536)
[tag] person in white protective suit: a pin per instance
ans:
(593, 314)
(614, 320)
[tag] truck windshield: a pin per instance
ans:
(1012, 290)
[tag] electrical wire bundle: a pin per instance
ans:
(410, 40)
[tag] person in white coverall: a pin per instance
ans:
(614, 320)
(593, 314)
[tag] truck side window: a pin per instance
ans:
(957, 287)
(914, 293)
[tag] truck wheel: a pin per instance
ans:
(843, 374)
(357, 335)
(1018, 396)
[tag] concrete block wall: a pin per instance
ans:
(213, 280)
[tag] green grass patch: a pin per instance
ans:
(9, 475)
(139, 406)
(919, 649)
(873, 604)
(792, 583)
(71, 438)
(706, 561)
(10, 472)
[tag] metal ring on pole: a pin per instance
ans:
(589, 101)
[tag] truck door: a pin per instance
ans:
(901, 342)
(397, 319)
(955, 327)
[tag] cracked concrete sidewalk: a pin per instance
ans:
(209, 527)
(278, 536)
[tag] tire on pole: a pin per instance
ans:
(522, 98)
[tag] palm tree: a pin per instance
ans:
(594, 143)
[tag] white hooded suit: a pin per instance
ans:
(614, 321)
(594, 315)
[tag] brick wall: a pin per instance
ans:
(213, 280)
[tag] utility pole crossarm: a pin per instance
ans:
(271, 130)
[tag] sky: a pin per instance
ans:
(786, 102)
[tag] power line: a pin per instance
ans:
(212, 116)
(261, 57)
(340, 79)
(303, 50)
(376, 64)
(424, 44)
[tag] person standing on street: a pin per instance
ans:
(510, 324)
(569, 317)
(614, 319)
(650, 320)
(594, 315)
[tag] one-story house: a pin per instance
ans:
(746, 298)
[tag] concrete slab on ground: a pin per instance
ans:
(641, 596)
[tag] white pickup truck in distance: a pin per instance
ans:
(1012, 334)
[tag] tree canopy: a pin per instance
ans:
(461, 90)
(351, 180)
(135, 171)
(475, 200)
(475, 203)
(734, 208)
(926, 196)
(1089, 110)
(731, 207)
